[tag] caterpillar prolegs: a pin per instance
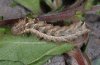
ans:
(48, 31)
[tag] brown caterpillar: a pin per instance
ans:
(48, 31)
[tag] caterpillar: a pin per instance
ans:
(48, 31)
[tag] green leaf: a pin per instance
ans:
(96, 62)
(56, 7)
(1, 17)
(80, 15)
(98, 3)
(2, 30)
(98, 12)
(67, 22)
(42, 60)
(89, 4)
(29, 49)
(13, 4)
(33, 5)
(49, 2)
(10, 63)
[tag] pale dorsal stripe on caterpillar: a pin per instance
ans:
(50, 32)
(57, 33)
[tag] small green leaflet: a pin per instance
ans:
(80, 15)
(28, 50)
(33, 5)
(89, 4)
